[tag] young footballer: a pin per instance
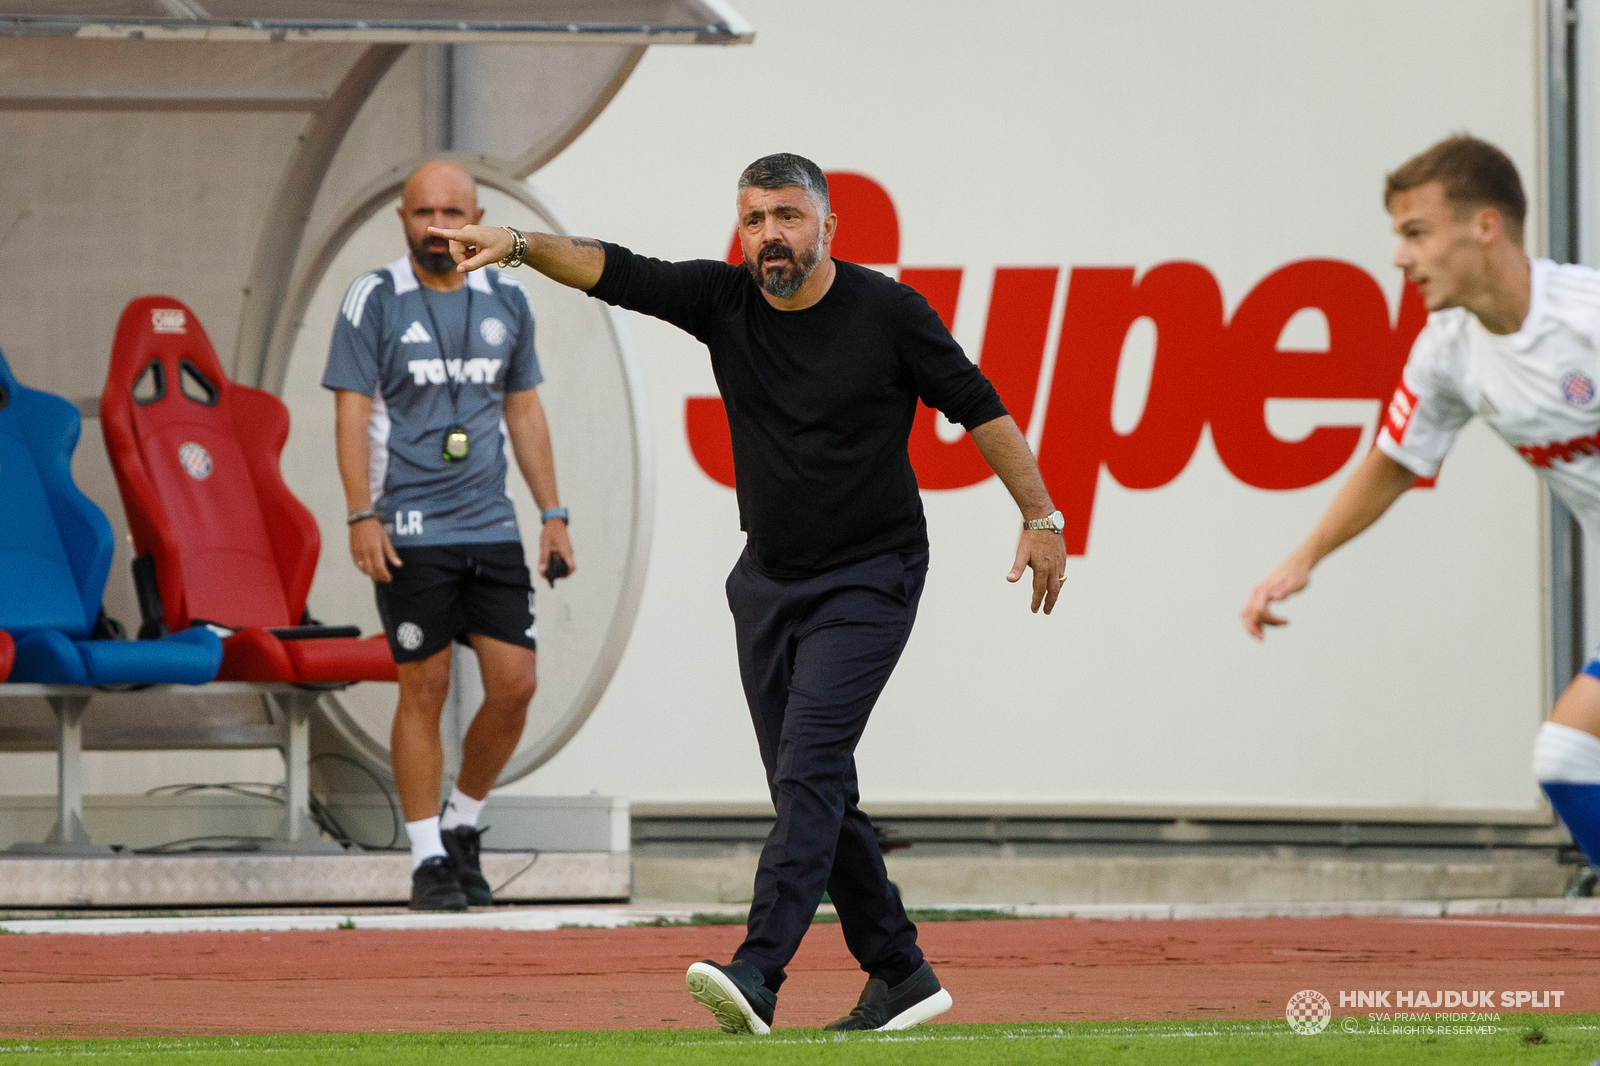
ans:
(1513, 341)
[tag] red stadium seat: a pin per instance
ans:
(196, 459)
(8, 651)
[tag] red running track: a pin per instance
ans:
(997, 971)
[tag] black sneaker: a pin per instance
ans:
(434, 886)
(916, 999)
(462, 844)
(735, 993)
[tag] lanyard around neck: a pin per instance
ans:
(452, 381)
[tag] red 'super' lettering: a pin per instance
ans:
(1207, 370)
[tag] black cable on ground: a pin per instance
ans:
(495, 891)
(273, 792)
(395, 819)
(194, 844)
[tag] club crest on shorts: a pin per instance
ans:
(493, 331)
(1577, 387)
(196, 460)
(409, 636)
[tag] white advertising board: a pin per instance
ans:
(1158, 226)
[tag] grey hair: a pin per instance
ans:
(785, 170)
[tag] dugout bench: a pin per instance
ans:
(220, 536)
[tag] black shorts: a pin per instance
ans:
(443, 592)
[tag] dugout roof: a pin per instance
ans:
(225, 152)
(379, 21)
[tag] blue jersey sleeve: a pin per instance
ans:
(522, 362)
(353, 352)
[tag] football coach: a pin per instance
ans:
(820, 364)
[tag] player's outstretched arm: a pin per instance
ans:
(574, 261)
(1371, 490)
(1006, 450)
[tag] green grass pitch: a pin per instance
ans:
(1564, 1038)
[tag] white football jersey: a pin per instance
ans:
(1537, 387)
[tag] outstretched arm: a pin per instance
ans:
(574, 261)
(1371, 490)
(1006, 450)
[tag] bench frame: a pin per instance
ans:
(293, 706)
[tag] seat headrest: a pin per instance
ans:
(162, 350)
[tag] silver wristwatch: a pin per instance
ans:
(1052, 522)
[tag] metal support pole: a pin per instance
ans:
(438, 98)
(69, 771)
(298, 833)
(67, 836)
(296, 758)
(1565, 221)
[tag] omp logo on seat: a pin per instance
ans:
(438, 371)
(169, 320)
(415, 334)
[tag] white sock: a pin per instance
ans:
(425, 842)
(461, 809)
(1561, 753)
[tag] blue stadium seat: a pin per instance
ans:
(55, 553)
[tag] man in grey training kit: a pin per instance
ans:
(820, 364)
(433, 374)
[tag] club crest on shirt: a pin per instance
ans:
(1577, 387)
(493, 331)
(196, 460)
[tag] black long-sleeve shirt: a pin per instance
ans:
(820, 401)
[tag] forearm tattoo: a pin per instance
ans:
(584, 242)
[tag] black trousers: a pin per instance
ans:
(814, 653)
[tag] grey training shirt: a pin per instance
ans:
(384, 346)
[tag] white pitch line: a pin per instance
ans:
(544, 919)
(1592, 927)
(930, 1035)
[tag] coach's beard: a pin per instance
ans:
(784, 281)
(431, 261)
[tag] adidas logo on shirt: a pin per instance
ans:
(415, 335)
